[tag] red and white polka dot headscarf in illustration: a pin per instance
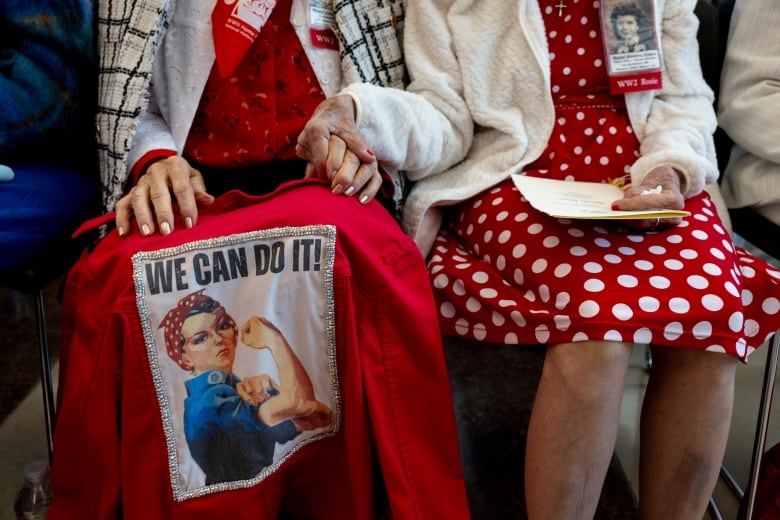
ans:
(193, 303)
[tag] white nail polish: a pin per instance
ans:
(165, 228)
(349, 191)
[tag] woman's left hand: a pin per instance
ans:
(660, 189)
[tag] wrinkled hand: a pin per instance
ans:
(151, 199)
(336, 152)
(669, 197)
(256, 390)
(259, 333)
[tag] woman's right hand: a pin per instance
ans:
(151, 202)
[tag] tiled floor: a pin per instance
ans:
(22, 436)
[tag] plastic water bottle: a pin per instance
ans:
(32, 501)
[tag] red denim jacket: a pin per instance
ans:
(376, 362)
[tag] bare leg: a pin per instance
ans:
(686, 417)
(571, 436)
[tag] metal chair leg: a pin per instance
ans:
(759, 447)
(46, 379)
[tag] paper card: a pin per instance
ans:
(581, 200)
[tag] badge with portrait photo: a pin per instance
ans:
(631, 45)
(240, 338)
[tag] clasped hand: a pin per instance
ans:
(327, 142)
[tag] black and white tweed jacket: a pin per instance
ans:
(130, 34)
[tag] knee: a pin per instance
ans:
(588, 370)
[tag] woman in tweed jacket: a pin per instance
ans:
(173, 131)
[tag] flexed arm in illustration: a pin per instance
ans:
(295, 400)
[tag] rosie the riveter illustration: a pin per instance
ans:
(232, 425)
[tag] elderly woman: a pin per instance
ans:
(526, 87)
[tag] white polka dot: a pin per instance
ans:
(593, 267)
(577, 233)
(699, 234)
(741, 347)
(602, 242)
(520, 217)
(643, 335)
(562, 322)
(488, 293)
(551, 241)
(679, 305)
(462, 327)
(643, 265)
(480, 277)
(535, 229)
(674, 239)
(717, 253)
(657, 250)
(479, 331)
(589, 309)
(627, 251)
(578, 251)
(649, 304)
(511, 339)
(506, 303)
(542, 334)
(441, 281)
(519, 276)
(712, 302)
(594, 285)
(518, 318)
(751, 328)
(612, 259)
(673, 330)
(502, 216)
(736, 321)
(626, 280)
(544, 292)
(447, 310)
(473, 305)
(702, 330)
(716, 348)
(673, 265)
(459, 288)
(771, 306)
(562, 270)
(698, 282)
(519, 251)
(580, 336)
(501, 262)
(562, 300)
(731, 289)
(712, 269)
(622, 312)
(613, 335)
(748, 272)
(539, 266)
(747, 297)
(660, 282)
(497, 201)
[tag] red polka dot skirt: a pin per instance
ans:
(505, 273)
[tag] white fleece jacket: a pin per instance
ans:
(479, 105)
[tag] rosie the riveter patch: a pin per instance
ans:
(240, 337)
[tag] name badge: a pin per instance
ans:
(631, 45)
(321, 23)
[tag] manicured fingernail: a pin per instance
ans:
(614, 207)
(349, 191)
(364, 199)
(121, 231)
(369, 152)
(336, 189)
(165, 228)
(145, 230)
(188, 222)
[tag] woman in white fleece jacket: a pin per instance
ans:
(501, 87)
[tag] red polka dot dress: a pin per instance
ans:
(506, 273)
